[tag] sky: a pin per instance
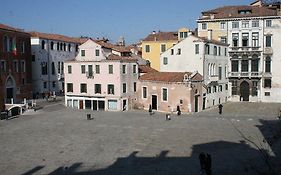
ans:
(132, 19)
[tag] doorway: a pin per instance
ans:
(154, 102)
(204, 103)
(124, 105)
(196, 103)
(244, 91)
(81, 106)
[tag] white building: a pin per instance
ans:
(208, 57)
(253, 33)
(49, 52)
(101, 77)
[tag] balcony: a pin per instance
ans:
(214, 78)
(245, 49)
(245, 74)
(268, 51)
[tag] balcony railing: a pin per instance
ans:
(245, 74)
(244, 49)
(214, 78)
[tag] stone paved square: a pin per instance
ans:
(58, 140)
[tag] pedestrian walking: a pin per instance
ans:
(202, 159)
(220, 108)
(208, 165)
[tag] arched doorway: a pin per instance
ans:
(244, 91)
(10, 88)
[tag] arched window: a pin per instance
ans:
(52, 45)
(43, 44)
(215, 50)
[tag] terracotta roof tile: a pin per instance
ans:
(162, 36)
(6, 27)
(233, 12)
(146, 69)
(58, 37)
(121, 58)
(168, 76)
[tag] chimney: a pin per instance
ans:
(210, 33)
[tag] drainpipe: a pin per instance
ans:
(48, 62)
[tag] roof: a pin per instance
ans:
(112, 46)
(204, 39)
(6, 27)
(233, 12)
(57, 37)
(162, 36)
(120, 58)
(169, 76)
(146, 69)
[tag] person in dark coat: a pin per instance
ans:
(202, 159)
(220, 108)
(208, 165)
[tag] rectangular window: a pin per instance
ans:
(165, 60)
(207, 49)
(53, 84)
(163, 47)
(225, 51)
(219, 51)
(97, 69)
(144, 92)
(90, 70)
(3, 66)
(245, 24)
(234, 66)
(215, 50)
(245, 65)
(83, 88)
(223, 39)
(147, 48)
(245, 39)
(83, 69)
(124, 69)
(222, 25)
(134, 69)
(124, 88)
(196, 48)
(15, 66)
(255, 88)
(110, 69)
(110, 89)
(69, 69)
(22, 66)
(235, 25)
(135, 86)
(255, 23)
(69, 87)
(179, 52)
(214, 89)
(44, 68)
(53, 68)
(172, 51)
(97, 88)
(266, 93)
(268, 41)
(209, 90)
(44, 85)
(204, 26)
(97, 52)
(268, 23)
(234, 87)
(267, 65)
(255, 39)
(164, 94)
(220, 88)
(267, 83)
(235, 39)
(83, 53)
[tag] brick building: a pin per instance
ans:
(15, 65)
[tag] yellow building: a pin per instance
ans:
(158, 42)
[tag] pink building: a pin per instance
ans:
(164, 91)
(101, 77)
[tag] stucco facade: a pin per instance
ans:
(99, 80)
(208, 57)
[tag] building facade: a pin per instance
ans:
(15, 65)
(253, 34)
(97, 79)
(208, 57)
(49, 52)
(165, 91)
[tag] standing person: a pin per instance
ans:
(220, 108)
(202, 159)
(208, 165)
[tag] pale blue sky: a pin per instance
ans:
(106, 18)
